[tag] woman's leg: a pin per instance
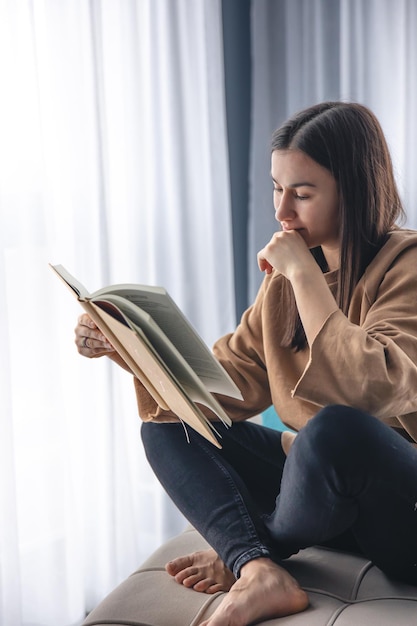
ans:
(347, 470)
(223, 493)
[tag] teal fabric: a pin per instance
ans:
(271, 420)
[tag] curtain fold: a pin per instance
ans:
(113, 161)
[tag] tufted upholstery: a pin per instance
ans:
(344, 590)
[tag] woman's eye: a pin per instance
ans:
(300, 197)
(277, 189)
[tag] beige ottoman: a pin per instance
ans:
(344, 590)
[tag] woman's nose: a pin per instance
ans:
(284, 209)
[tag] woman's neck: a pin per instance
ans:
(332, 256)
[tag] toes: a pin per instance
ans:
(208, 585)
(177, 565)
(215, 588)
(188, 573)
(188, 577)
(204, 585)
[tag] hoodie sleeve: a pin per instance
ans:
(369, 360)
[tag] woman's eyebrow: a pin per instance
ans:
(294, 185)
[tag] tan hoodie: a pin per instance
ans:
(366, 360)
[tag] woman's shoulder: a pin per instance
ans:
(401, 238)
(399, 250)
(398, 240)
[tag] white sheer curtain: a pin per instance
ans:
(113, 162)
(305, 51)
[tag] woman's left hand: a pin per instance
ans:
(89, 340)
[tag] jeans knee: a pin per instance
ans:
(156, 437)
(337, 429)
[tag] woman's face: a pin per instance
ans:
(306, 199)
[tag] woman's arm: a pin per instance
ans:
(288, 254)
(369, 359)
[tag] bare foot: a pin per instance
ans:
(203, 571)
(263, 591)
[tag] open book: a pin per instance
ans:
(162, 349)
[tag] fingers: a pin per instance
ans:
(89, 340)
(263, 264)
(285, 251)
(266, 256)
(85, 320)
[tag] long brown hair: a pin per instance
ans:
(346, 139)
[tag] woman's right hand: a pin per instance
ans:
(286, 252)
(89, 340)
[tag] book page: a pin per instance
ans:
(78, 288)
(108, 327)
(140, 351)
(163, 351)
(161, 307)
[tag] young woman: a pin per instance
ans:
(331, 342)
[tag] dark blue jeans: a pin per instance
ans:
(349, 481)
